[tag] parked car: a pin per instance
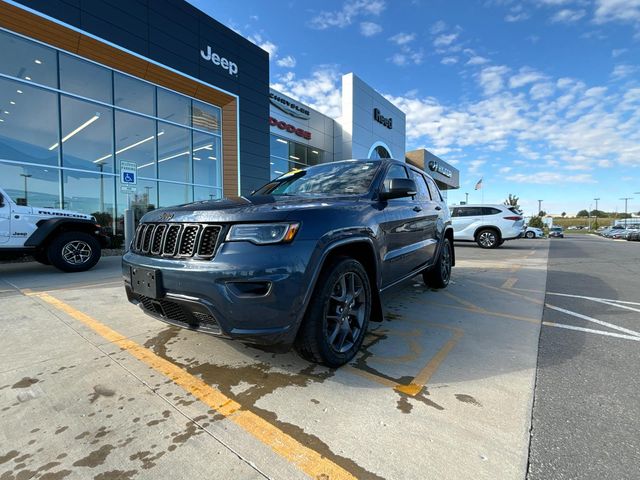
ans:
(556, 232)
(487, 225)
(634, 236)
(70, 241)
(301, 261)
(533, 232)
(607, 232)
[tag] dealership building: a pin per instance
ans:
(111, 103)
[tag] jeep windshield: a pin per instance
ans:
(340, 178)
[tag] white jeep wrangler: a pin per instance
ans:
(70, 241)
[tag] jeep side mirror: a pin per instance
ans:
(399, 188)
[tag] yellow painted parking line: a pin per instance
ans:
(423, 377)
(309, 461)
(462, 301)
(486, 312)
(509, 282)
(509, 292)
(416, 385)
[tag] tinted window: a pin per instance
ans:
(490, 211)
(74, 75)
(435, 193)
(421, 186)
(469, 211)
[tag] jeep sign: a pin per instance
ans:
(222, 62)
(378, 117)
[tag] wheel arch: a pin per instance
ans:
(50, 228)
(362, 250)
(487, 227)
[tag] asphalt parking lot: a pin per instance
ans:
(91, 387)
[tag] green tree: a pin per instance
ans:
(536, 222)
(512, 201)
(542, 213)
(582, 213)
(563, 214)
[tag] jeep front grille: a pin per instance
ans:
(177, 240)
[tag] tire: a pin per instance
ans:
(74, 252)
(42, 257)
(331, 333)
(530, 235)
(487, 238)
(439, 275)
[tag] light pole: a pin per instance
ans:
(596, 199)
(540, 206)
(26, 175)
(626, 199)
(466, 201)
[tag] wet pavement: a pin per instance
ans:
(90, 387)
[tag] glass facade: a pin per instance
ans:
(287, 155)
(67, 123)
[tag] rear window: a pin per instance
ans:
(515, 210)
(490, 211)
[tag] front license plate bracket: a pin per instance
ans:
(147, 282)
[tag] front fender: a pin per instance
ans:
(47, 227)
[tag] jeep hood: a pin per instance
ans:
(45, 212)
(241, 209)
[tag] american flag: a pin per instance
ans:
(478, 185)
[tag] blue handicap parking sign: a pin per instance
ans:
(128, 177)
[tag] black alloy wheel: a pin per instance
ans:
(338, 315)
(74, 251)
(439, 275)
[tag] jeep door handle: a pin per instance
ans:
(438, 208)
(417, 209)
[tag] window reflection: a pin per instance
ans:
(91, 194)
(74, 73)
(206, 117)
(135, 142)
(87, 133)
(28, 60)
(206, 193)
(33, 186)
(206, 159)
(173, 107)
(133, 94)
(174, 152)
(28, 123)
(174, 194)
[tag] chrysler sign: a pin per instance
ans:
(288, 107)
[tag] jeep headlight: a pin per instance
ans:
(263, 233)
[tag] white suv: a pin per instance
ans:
(70, 241)
(487, 225)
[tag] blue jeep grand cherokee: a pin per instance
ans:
(302, 261)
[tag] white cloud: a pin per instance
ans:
(403, 38)
(438, 27)
(287, 62)
(567, 15)
(524, 77)
(264, 44)
(369, 29)
(344, 17)
(516, 17)
(491, 79)
(407, 57)
(477, 60)
(320, 91)
(445, 39)
(617, 11)
(449, 60)
(505, 169)
(541, 90)
(474, 166)
(623, 71)
(616, 52)
(551, 178)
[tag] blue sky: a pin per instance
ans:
(540, 98)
